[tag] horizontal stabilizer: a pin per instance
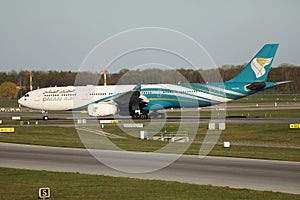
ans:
(256, 85)
(283, 82)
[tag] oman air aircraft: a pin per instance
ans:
(144, 101)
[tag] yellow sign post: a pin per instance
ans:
(294, 125)
(7, 130)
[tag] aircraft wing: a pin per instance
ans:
(131, 100)
(124, 104)
(129, 97)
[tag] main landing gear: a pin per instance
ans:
(156, 115)
(146, 115)
(140, 116)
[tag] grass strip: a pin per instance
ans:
(24, 184)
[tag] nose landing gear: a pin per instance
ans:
(45, 115)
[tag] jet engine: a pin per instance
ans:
(102, 109)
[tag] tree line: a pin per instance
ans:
(64, 78)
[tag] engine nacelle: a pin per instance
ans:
(102, 109)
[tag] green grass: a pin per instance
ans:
(262, 141)
(266, 141)
(48, 136)
(258, 134)
(264, 98)
(9, 103)
(24, 184)
(274, 113)
(273, 135)
(267, 113)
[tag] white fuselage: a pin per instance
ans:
(73, 97)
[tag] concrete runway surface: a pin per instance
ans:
(254, 174)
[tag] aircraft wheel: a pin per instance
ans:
(153, 116)
(144, 116)
(45, 117)
(161, 116)
(135, 116)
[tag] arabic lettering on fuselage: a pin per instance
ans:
(58, 98)
(67, 91)
(57, 91)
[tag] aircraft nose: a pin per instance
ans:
(21, 100)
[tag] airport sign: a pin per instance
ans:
(44, 193)
(294, 125)
(7, 130)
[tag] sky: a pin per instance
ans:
(60, 34)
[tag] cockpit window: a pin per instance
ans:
(26, 95)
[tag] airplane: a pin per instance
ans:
(138, 100)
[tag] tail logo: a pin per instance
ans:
(258, 66)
